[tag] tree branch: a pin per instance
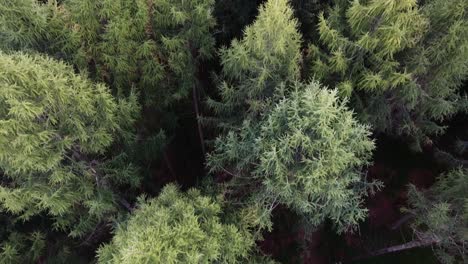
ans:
(413, 244)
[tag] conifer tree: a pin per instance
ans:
(288, 142)
(306, 153)
(178, 227)
(55, 128)
(253, 67)
(36, 26)
(152, 45)
(401, 63)
(441, 216)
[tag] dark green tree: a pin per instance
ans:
(401, 63)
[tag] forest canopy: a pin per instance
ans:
(233, 131)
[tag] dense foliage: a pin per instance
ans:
(55, 126)
(271, 115)
(253, 67)
(401, 63)
(177, 228)
(442, 215)
(306, 153)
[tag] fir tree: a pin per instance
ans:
(152, 45)
(253, 67)
(401, 63)
(306, 153)
(36, 26)
(55, 128)
(441, 216)
(288, 142)
(178, 227)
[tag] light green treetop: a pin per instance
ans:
(307, 153)
(267, 55)
(177, 227)
(54, 126)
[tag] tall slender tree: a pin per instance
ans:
(253, 67)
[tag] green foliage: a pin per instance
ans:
(152, 45)
(267, 55)
(441, 213)
(287, 142)
(177, 227)
(401, 63)
(54, 127)
(68, 147)
(35, 25)
(307, 153)
(307, 12)
(22, 249)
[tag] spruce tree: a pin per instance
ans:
(401, 63)
(55, 128)
(178, 227)
(441, 215)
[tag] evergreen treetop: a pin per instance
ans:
(54, 127)
(177, 227)
(396, 62)
(253, 67)
(154, 46)
(31, 25)
(307, 153)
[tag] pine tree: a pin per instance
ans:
(267, 55)
(178, 227)
(401, 63)
(441, 215)
(55, 128)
